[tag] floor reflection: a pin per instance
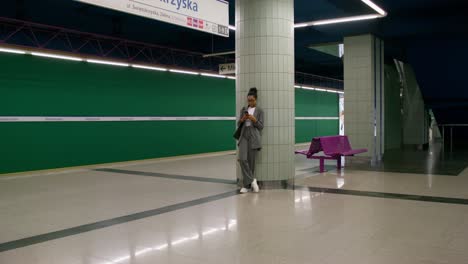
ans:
(181, 240)
(432, 161)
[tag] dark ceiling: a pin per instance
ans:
(431, 35)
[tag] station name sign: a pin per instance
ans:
(211, 16)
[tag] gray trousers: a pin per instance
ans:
(247, 158)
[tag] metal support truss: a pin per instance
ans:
(51, 38)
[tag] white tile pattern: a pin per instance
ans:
(363, 73)
(265, 59)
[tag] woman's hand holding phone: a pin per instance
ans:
(245, 117)
(252, 118)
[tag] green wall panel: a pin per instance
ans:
(34, 146)
(307, 129)
(313, 103)
(48, 87)
(31, 86)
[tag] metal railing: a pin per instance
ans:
(318, 81)
(451, 126)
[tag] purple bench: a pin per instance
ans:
(333, 147)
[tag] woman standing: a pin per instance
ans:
(250, 140)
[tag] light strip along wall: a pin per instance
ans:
(51, 55)
(317, 118)
(110, 119)
(6, 119)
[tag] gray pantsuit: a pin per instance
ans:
(249, 144)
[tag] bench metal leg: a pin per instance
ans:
(338, 163)
(322, 165)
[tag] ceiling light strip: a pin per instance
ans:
(108, 63)
(148, 67)
(137, 66)
(318, 89)
(344, 20)
(112, 63)
(375, 7)
(300, 25)
(14, 51)
(185, 72)
(55, 56)
(379, 10)
(213, 75)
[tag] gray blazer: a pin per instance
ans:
(257, 135)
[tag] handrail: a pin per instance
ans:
(451, 126)
(319, 81)
(454, 125)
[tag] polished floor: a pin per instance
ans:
(188, 211)
(436, 160)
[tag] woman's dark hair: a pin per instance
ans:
(253, 92)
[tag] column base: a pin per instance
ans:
(274, 185)
(358, 160)
(418, 147)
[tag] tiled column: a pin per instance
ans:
(364, 94)
(265, 60)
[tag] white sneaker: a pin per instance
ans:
(244, 190)
(255, 187)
